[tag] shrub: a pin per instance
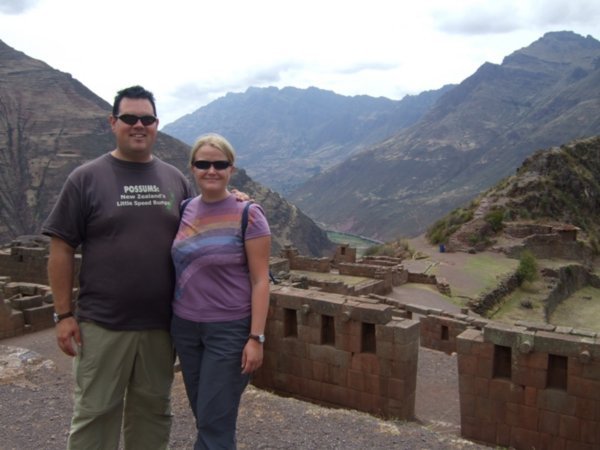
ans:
(495, 218)
(528, 266)
(441, 230)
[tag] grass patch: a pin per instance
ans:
(361, 244)
(580, 310)
(511, 309)
(481, 273)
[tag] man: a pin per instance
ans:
(123, 209)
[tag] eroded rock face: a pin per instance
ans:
(49, 124)
(17, 363)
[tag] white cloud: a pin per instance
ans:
(16, 6)
(190, 53)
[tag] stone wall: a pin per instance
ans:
(344, 254)
(569, 279)
(530, 388)
(555, 245)
(340, 350)
(298, 262)
(489, 300)
(367, 287)
(22, 263)
(26, 304)
(392, 276)
(26, 307)
(422, 278)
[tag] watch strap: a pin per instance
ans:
(59, 317)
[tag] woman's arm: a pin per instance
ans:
(258, 251)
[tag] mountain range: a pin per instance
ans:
(286, 136)
(371, 166)
(434, 152)
(50, 123)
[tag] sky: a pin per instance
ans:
(192, 52)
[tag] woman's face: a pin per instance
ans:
(212, 181)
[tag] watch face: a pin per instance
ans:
(258, 337)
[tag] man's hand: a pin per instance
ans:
(240, 196)
(68, 335)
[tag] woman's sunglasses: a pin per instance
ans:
(205, 165)
(132, 119)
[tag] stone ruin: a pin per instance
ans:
(524, 386)
(25, 298)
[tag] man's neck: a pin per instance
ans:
(141, 158)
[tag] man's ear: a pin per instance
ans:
(112, 120)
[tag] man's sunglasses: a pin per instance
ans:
(132, 119)
(205, 165)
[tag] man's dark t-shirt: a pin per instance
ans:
(125, 216)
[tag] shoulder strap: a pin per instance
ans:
(245, 221)
(183, 206)
(244, 226)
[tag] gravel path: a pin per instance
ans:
(36, 387)
(35, 408)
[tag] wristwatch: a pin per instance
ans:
(59, 317)
(260, 338)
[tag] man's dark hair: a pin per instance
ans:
(132, 92)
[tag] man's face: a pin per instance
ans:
(134, 142)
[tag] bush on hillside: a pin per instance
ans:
(441, 230)
(528, 267)
(494, 218)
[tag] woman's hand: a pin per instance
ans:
(252, 356)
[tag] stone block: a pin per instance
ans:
(467, 364)
(569, 428)
(500, 334)
(585, 408)
(468, 339)
(591, 371)
(563, 345)
(485, 367)
(22, 303)
(590, 432)
(529, 377)
(537, 360)
(39, 317)
(405, 331)
(556, 401)
(530, 395)
(329, 355)
(549, 422)
(550, 442)
(396, 389)
(523, 438)
(365, 362)
(583, 387)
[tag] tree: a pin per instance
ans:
(528, 266)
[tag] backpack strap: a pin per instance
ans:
(183, 206)
(245, 221)
(244, 226)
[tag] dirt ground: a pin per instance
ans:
(36, 387)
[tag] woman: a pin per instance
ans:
(221, 294)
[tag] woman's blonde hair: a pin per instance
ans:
(214, 140)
